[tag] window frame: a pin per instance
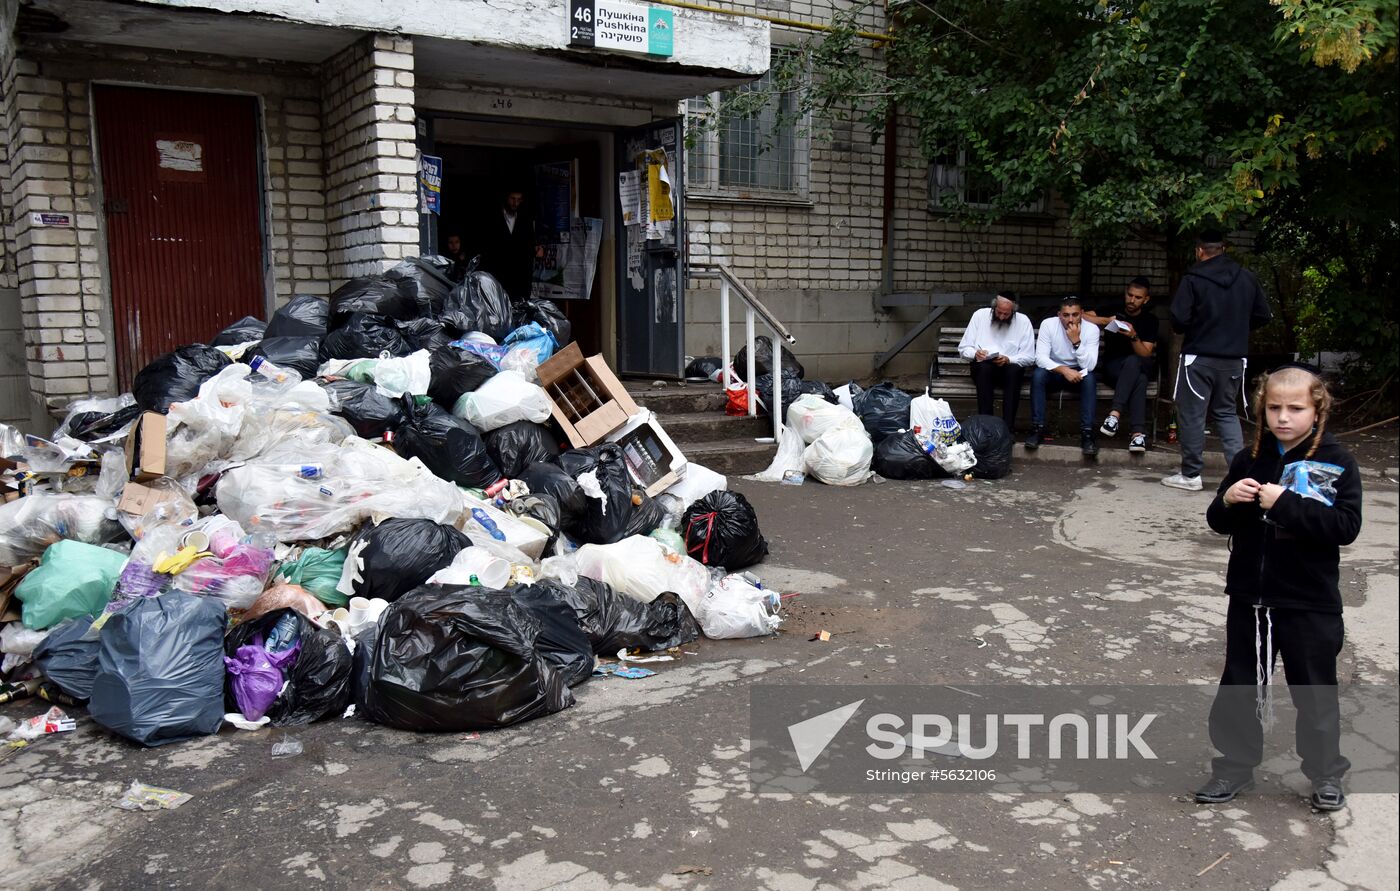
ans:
(708, 140)
(940, 172)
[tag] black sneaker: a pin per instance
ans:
(1036, 438)
(1110, 426)
(1327, 795)
(1220, 790)
(1138, 443)
(1087, 444)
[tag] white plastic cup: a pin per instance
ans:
(360, 612)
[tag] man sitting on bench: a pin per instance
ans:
(1066, 351)
(1127, 361)
(999, 344)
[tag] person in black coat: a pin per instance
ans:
(1285, 538)
(508, 246)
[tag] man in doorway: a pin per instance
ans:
(1128, 360)
(999, 345)
(1217, 305)
(508, 245)
(1066, 352)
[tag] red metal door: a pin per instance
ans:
(182, 197)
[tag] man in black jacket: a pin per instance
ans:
(508, 245)
(1216, 306)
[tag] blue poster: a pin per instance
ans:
(430, 184)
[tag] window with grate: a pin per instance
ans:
(764, 154)
(951, 183)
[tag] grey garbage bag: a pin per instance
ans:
(160, 669)
(67, 657)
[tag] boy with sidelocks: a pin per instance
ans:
(1287, 504)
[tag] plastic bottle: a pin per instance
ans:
(1171, 430)
(271, 372)
(284, 634)
(311, 471)
(488, 524)
(474, 581)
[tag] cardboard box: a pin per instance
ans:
(652, 459)
(145, 448)
(586, 398)
(138, 499)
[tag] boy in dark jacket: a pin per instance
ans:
(1282, 583)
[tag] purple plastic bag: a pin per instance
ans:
(258, 676)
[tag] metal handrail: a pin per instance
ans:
(752, 306)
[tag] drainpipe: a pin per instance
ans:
(891, 169)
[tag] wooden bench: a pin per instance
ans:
(950, 379)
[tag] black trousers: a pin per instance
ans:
(1309, 643)
(986, 376)
(1129, 376)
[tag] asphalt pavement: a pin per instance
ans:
(1058, 574)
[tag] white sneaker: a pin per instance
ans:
(1181, 481)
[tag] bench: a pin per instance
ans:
(949, 378)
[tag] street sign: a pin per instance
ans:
(622, 26)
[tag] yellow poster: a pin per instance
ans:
(659, 187)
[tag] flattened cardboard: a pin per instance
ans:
(138, 499)
(145, 448)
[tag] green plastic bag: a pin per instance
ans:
(318, 571)
(670, 538)
(72, 579)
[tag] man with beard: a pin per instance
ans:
(999, 345)
(1128, 359)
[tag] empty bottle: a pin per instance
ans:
(488, 524)
(284, 634)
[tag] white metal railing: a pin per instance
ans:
(728, 284)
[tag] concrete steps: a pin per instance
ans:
(694, 417)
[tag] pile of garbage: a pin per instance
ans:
(415, 502)
(847, 436)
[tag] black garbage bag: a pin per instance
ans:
(542, 508)
(366, 639)
(561, 640)
(900, 457)
(426, 280)
(175, 377)
(884, 410)
(548, 314)
(817, 388)
(318, 680)
(67, 657)
(245, 330)
(458, 658)
(362, 336)
(763, 389)
(369, 411)
(376, 295)
(704, 368)
(480, 303)
(991, 442)
(623, 511)
(455, 372)
(426, 334)
(90, 425)
(160, 669)
(615, 622)
(763, 359)
(449, 446)
(721, 529)
(520, 444)
(555, 482)
(298, 353)
(400, 554)
(303, 316)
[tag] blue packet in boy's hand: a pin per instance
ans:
(1312, 479)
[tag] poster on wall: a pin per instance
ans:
(429, 184)
(565, 271)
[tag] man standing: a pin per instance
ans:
(999, 344)
(1066, 351)
(1216, 306)
(508, 251)
(1128, 360)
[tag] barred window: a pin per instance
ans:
(767, 153)
(951, 183)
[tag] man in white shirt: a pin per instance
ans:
(999, 345)
(1066, 351)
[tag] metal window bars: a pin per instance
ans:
(778, 335)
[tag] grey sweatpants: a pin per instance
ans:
(1208, 386)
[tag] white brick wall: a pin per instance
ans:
(371, 156)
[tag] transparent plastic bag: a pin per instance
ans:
(84, 410)
(788, 459)
(409, 375)
(811, 416)
(734, 608)
(504, 399)
(1314, 480)
(841, 457)
(643, 568)
(29, 525)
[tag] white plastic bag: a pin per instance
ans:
(643, 569)
(844, 398)
(408, 374)
(518, 533)
(504, 399)
(788, 459)
(698, 482)
(734, 608)
(956, 459)
(841, 457)
(811, 416)
(933, 419)
(29, 525)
